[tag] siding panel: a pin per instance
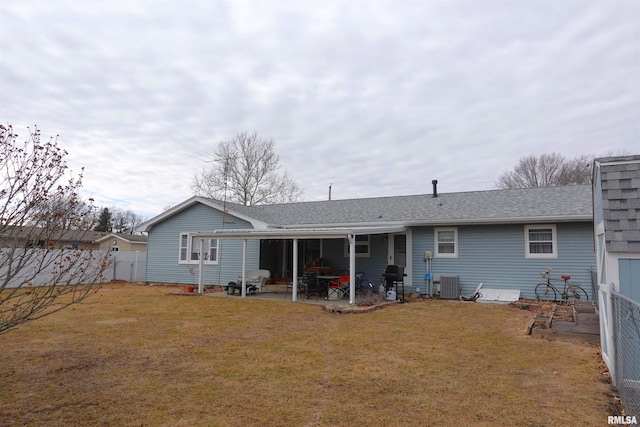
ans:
(628, 270)
(495, 255)
(163, 248)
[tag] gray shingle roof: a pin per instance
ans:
(620, 180)
(132, 238)
(494, 206)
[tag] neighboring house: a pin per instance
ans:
(616, 193)
(503, 238)
(122, 242)
(34, 237)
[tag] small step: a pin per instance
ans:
(576, 328)
(587, 318)
(586, 312)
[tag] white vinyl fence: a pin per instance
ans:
(127, 266)
(43, 265)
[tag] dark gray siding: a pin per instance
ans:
(163, 247)
(372, 266)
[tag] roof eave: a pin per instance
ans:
(495, 221)
(455, 221)
(148, 225)
(309, 233)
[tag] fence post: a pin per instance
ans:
(115, 265)
(607, 332)
(136, 271)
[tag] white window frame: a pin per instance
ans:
(185, 252)
(436, 242)
(363, 244)
(554, 242)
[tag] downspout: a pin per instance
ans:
(244, 268)
(201, 268)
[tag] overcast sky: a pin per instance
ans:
(377, 98)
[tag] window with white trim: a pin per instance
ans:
(446, 242)
(363, 245)
(541, 241)
(189, 252)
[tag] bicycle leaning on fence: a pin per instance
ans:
(548, 292)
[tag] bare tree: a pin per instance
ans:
(245, 171)
(42, 220)
(547, 170)
(118, 220)
(125, 221)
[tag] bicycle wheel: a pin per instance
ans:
(545, 292)
(576, 292)
(364, 289)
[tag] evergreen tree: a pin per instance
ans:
(104, 222)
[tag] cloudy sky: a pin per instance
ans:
(376, 98)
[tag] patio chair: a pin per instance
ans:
(474, 296)
(313, 285)
(301, 288)
(339, 288)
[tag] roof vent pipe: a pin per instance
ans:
(435, 187)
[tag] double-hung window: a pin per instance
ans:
(363, 243)
(190, 249)
(541, 241)
(446, 242)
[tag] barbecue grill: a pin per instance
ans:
(393, 275)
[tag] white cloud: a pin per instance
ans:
(376, 98)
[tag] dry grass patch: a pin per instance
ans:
(137, 356)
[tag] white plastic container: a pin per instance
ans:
(391, 295)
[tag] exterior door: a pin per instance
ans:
(400, 253)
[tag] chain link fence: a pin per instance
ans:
(626, 343)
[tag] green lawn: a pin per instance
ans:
(135, 355)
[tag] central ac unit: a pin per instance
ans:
(449, 288)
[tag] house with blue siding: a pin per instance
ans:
(502, 238)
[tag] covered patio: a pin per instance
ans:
(348, 233)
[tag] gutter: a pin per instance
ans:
(445, 222)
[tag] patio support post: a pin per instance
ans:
(201, 268)
(284, 258)
(244, 268)
(352, 269)
(294, 288)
